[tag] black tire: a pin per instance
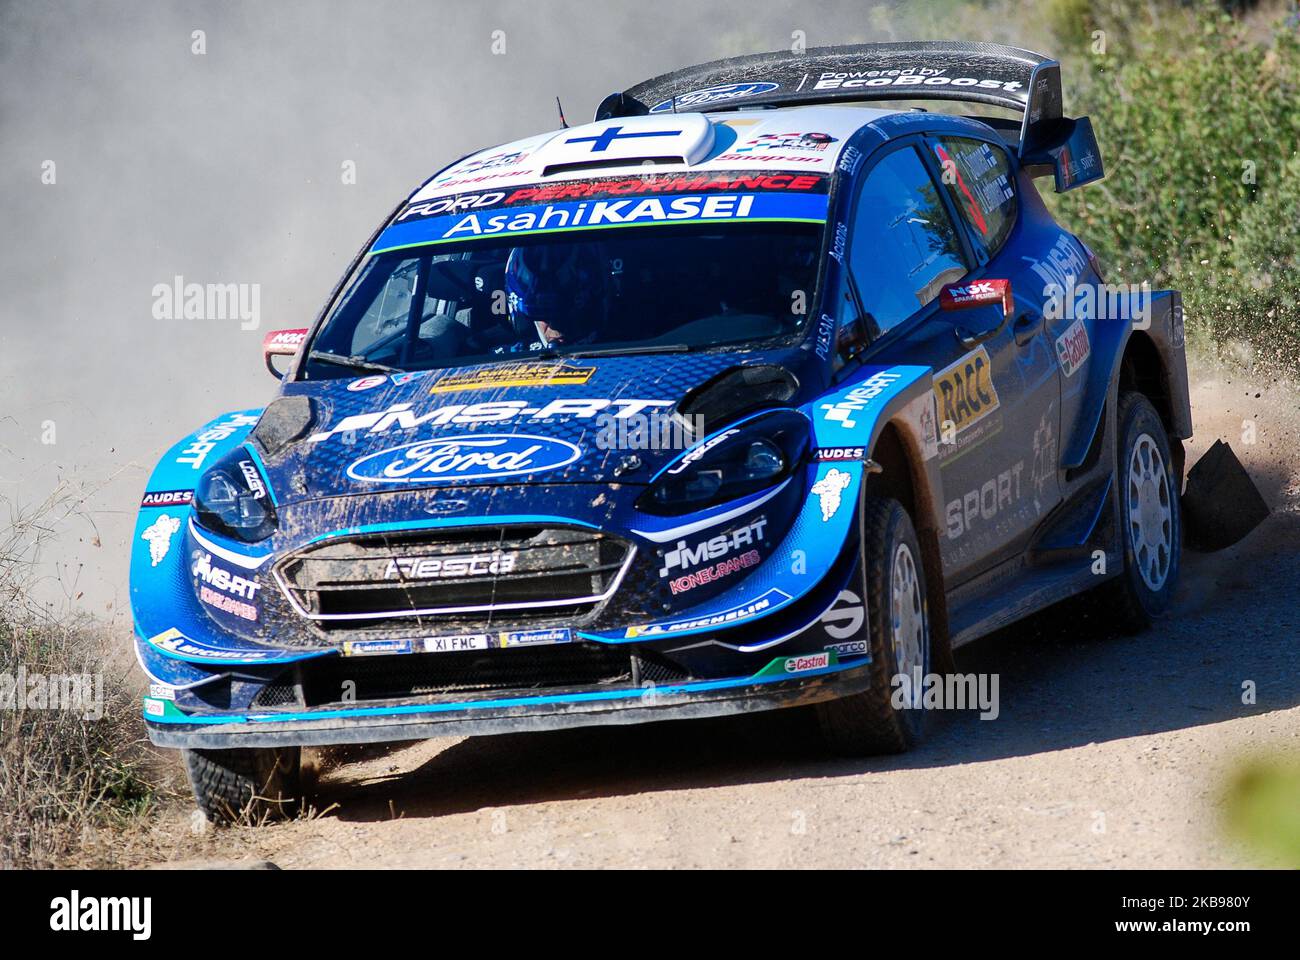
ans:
(245, 786)
(868, 723)
(1145, 588)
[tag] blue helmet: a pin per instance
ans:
(557, 291)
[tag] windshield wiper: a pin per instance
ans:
(353, 362)
(616, 351)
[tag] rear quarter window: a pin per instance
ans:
(978, 177)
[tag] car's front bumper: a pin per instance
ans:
(785, 682)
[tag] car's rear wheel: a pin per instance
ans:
(235, 786)
(887, 717)
(1151, 530)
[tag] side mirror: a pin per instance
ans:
(281, 343)
(978, 293)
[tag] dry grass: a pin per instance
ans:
(70, 773)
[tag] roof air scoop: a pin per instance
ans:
(629, 142)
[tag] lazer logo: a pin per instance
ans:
(446, 568)
(253, 479)
(696, 453)
(400, 416)
(685, 558)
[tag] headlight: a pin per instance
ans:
(751, 456)
(232, 499)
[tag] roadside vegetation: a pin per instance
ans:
(1196, 115)
(72, 779)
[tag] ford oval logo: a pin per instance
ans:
(478, 457)
(723, 91)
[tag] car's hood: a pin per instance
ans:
(528, 421)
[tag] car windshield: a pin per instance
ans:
(653, 289)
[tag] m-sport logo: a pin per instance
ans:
(485, 457)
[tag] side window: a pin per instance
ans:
(904, 246)
(978, 177)
(387, 313)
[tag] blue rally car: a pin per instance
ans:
(743, 396)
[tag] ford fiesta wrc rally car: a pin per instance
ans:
(748, 394)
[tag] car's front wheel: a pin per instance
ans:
(251, 785)
(888, 716)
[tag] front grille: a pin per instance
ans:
(527, 573)
(409, 676)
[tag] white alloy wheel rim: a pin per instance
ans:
(1150, 513)
(908, 614)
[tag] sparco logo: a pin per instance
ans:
(439, 568)
(684, 557)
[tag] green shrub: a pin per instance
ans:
(1198, 124)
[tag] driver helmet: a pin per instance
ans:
(556, 292)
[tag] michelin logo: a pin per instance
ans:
(159, 535)
(830, 491)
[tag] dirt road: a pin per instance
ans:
(1108, 751)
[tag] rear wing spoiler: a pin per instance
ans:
(989, 73)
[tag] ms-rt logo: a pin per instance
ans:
(78, 914)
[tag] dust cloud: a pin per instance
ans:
(227, 166)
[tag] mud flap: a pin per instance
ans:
(1221, 503)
